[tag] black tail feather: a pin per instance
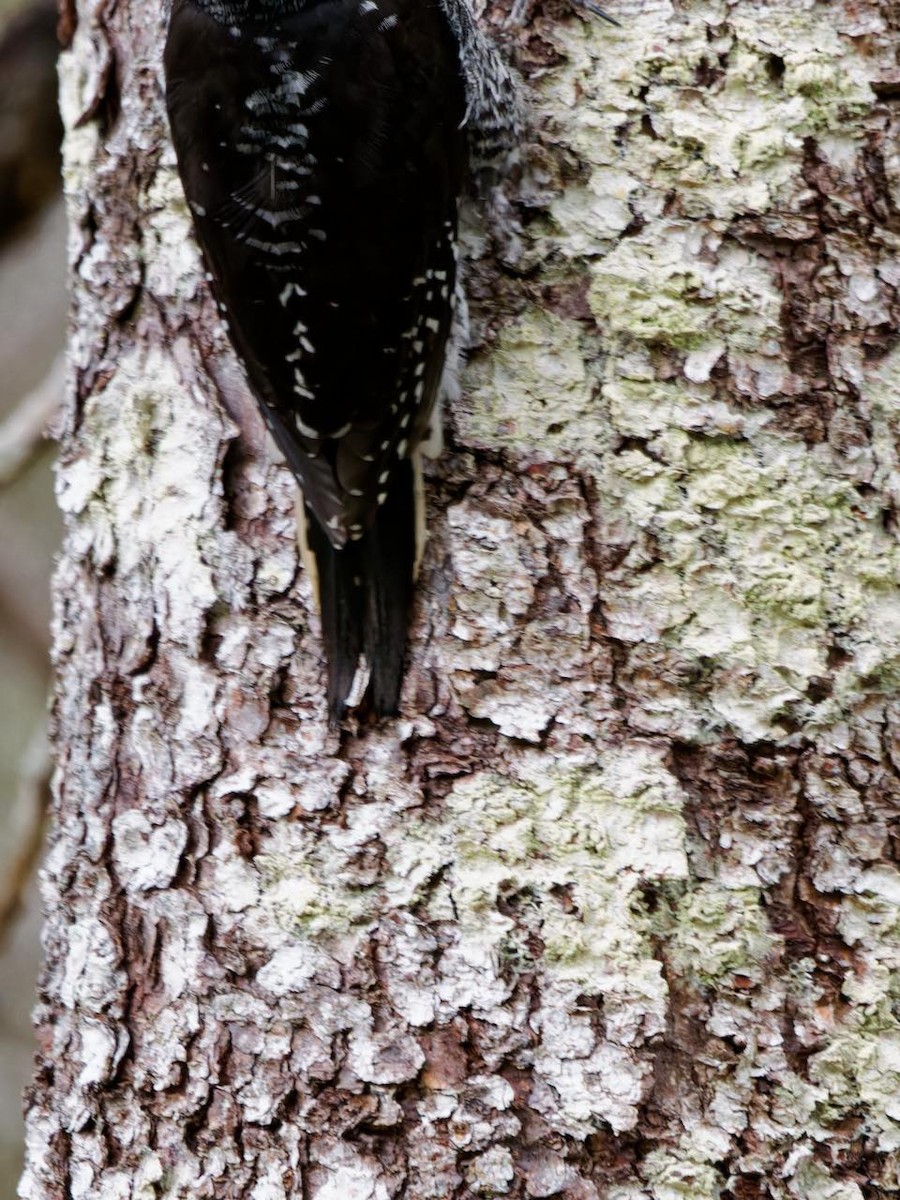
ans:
(388, 557)
(365, 593)
(341, 606)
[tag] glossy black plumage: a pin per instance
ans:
(321, 151)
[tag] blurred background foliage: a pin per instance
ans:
(32, 327)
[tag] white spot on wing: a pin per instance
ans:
(306, 430)
(300, 387)
(296, 83)
(290, 289)
(277, 248)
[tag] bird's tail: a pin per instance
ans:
(365, 593)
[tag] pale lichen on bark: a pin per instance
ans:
(612, 911)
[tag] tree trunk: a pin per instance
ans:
(612, 911)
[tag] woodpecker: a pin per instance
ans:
(323, 146)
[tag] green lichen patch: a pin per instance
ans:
(760, 557)
(535, 390)
(811, 1181)
(712, 109)
(721, 937)
(310, 900)
(673, 1176)
(860, 1071)
(749, 556)
(662, 288)
(596, 832)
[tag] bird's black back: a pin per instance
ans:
(322, 156)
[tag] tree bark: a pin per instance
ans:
(612, 910)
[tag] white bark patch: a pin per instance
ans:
(289, 970)
(183, 953)
(375, 1058)
(90, 973)
(495, 573)
(100, 1050)
(545, 408)
(166, 516)
(344, 1174)
(698, 365)
(146, 856)
(491, 1173)
(496, 585)
(237, 882)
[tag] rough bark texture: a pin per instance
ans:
(612, 912)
